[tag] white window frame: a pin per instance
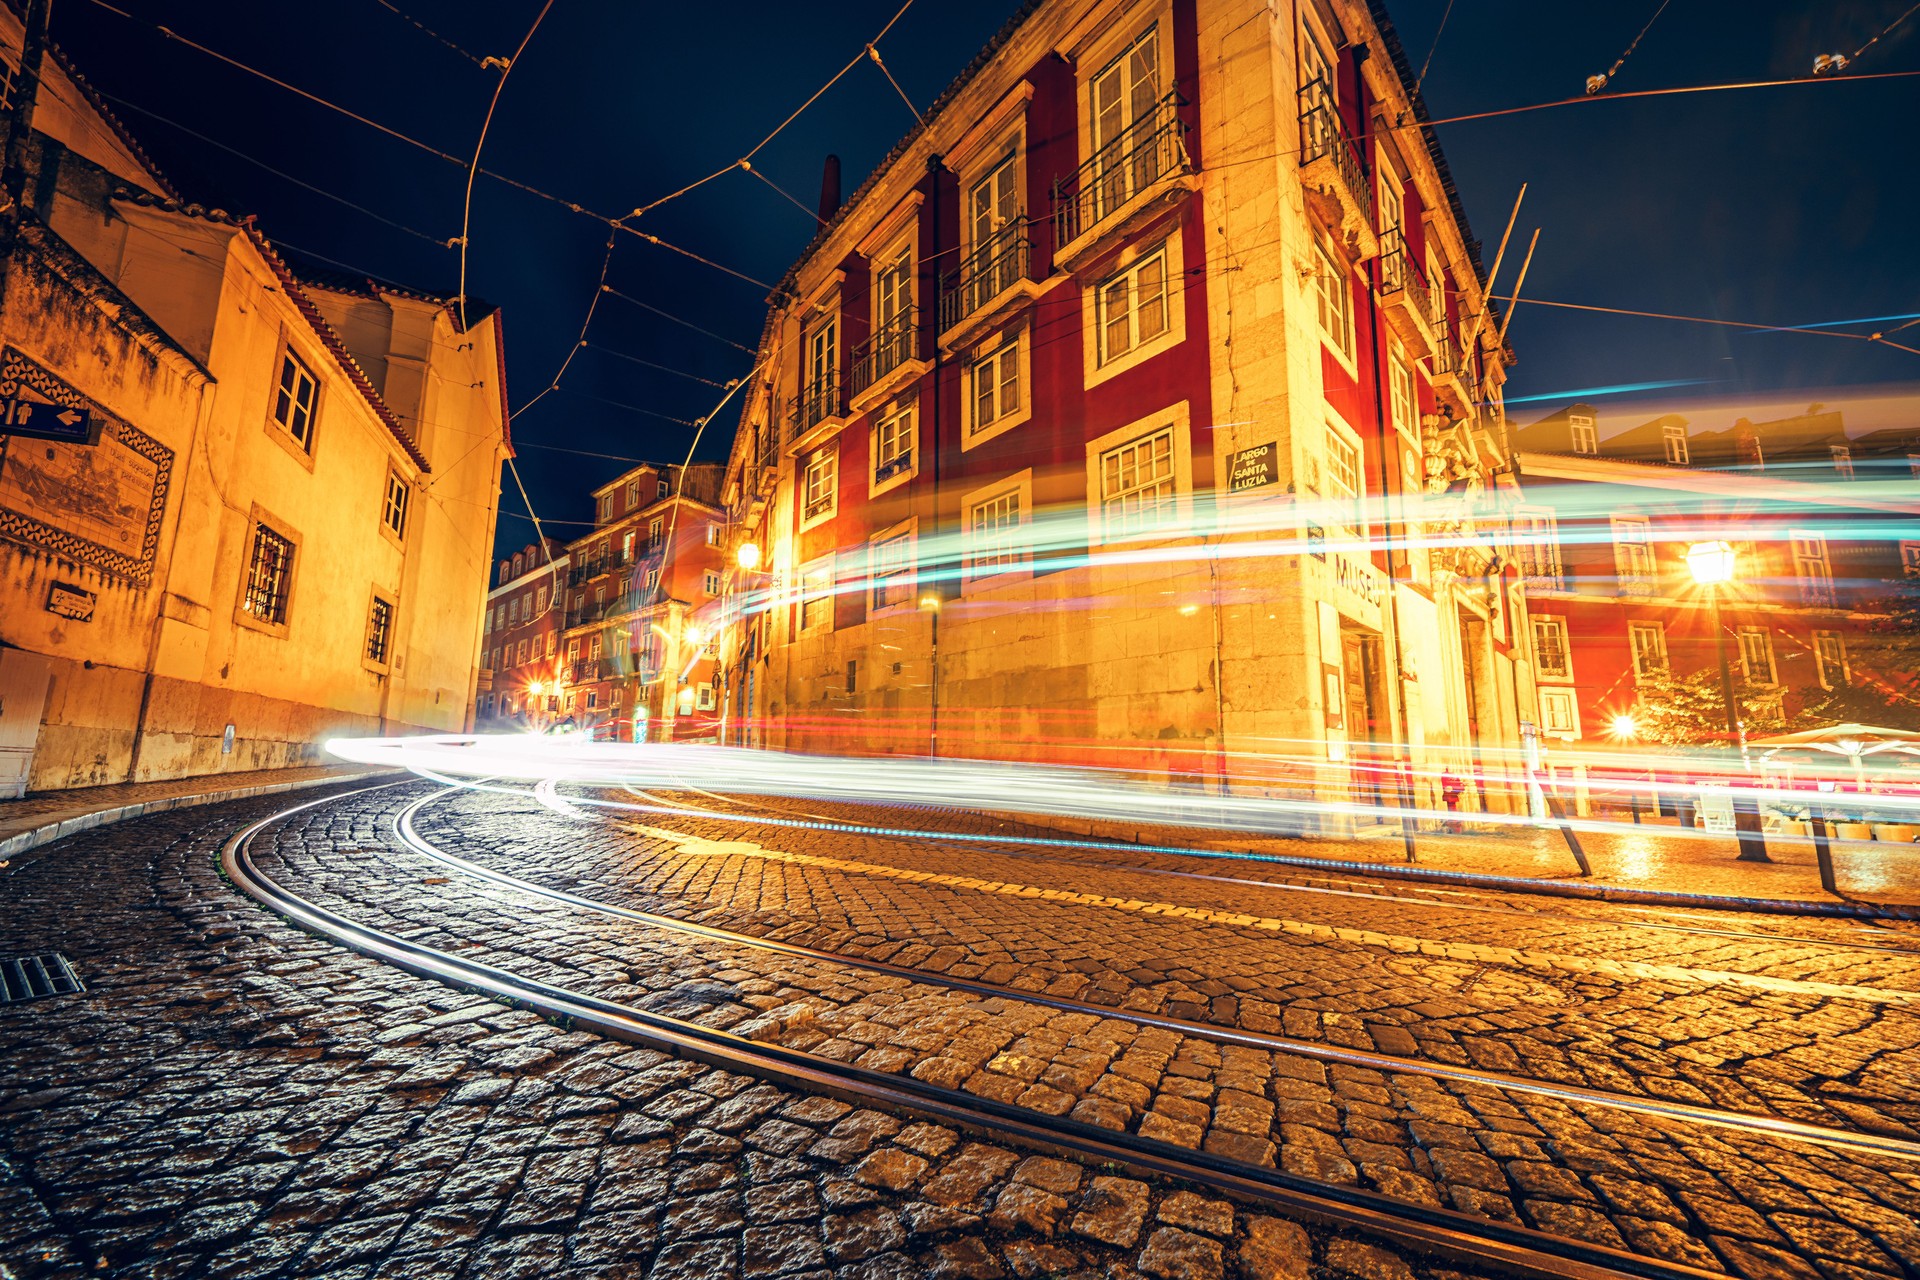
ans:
(886, 425)
(1673, 439)
(1555, 627)
(1757, 642)
(814, 605)
(1583, 434)
(1333, 297)
(710, 582)
(1019, 561)
(713, 533)
(826, 459)
(1176, 420)
(1648, 640)
(1560, 713)
(1128, 284)
(1007, 344)
(1634, 582)
(1341, 436)
(1098, 366)
(882, 565)
(1403, 395)
(1842, 456)
(1810, 551)
(604, 507)
(1910, 557)
(1830, 648)
(300, 421)
(1539, 537)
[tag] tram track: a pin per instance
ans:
(1447, 1234)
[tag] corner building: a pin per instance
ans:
(1121, 416)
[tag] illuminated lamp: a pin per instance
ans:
(1623, 726)
(748, 556)
(1711, 563)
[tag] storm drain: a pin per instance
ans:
(30, 977)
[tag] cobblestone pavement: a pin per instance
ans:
(1674, 1023)
(232, 1097)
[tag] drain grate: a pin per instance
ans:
(30, 977)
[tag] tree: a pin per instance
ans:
(1691, 710)
(1862, 702)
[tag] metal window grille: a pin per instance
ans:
(379, 631)
(1136, 484)
(31, 977)
(293, 401)
(269, 575)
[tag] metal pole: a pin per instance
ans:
(1822, 852)
(1746, 806)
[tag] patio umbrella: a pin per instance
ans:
(1854, 741)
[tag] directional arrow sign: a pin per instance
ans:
(44, 421)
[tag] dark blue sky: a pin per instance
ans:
(1788, 205)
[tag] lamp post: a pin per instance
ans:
(1713, 564)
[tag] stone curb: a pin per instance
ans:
(47, 832)
(1130, 834)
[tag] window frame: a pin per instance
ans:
(1100, 367)
(1176, 421)
(376, 600)
(1337, 431)
(1742, 636)
(1583, 425)
(1815, 591)
(1556, 625)
(1019, 563)
(710, 581)
(907, 408)
(396, 506)
(1560, 696)
(905, 536)
(1636, 584)
(1635, 651)
(1822, 641)
(1539, 549)
(301, 445)
(1014, 341)
(1673, 443)
(259, 521)
(1332, 274)
(814, 587)
(830, 453)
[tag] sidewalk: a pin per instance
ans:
(48, 815)
(1660, 858)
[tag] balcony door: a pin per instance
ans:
(993, 206)
(893, 301)
(818, 392)
(1124, 95)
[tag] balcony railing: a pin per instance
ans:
(986, 273)
(1324, 134)
(819, 400)
(1150, 149)
(891, 346)
(894, 466)
(1400, 273)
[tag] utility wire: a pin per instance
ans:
(783, 191)
(466, 213)
(1596, 83)
(476, 61)
(917, 117)
(592, 306)
(1431, 50)
(1890, 26)
(298, 182)
(648, 306)
(621, 355)
(630, 408)
(1731, 324)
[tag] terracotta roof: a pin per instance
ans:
(99, 105)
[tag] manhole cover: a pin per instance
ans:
(30, 977)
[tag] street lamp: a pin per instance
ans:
(748, 556)
(1713, 565)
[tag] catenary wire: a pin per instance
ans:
(790, 198)
(668, 315)
(1890, 26)
(473, 166)
(470, 57)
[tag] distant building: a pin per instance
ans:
(1144, 265)
(1607, 523)
(642, 610)
(521, 672)
(274, 527)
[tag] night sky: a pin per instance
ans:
(1792, 205)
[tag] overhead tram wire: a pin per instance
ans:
(783, 192)
(593, 305)
(668, 315)
(1731, 324)
(1596, 84)
(475, 59)
(663, 368)
(473, 167)
(917, 117)
(1890, 26)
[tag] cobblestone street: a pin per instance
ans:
(233, 1096)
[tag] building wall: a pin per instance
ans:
(157, 520)
(1233, 647)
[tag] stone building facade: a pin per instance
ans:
(520, 663)
(1143, 408)
(276, 527)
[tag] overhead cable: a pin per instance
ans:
(668, 315)
(475, 59)
(473, 166)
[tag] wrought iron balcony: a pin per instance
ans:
(1149, 151)
(892, 345)
(989, 271)
(819, 401)
(894, 466)
(1403, 288)
(1325, 142)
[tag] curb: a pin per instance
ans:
(1129, 834)
(48, 832)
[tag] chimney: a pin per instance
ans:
(830, 188)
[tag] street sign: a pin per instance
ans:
(1254, 468)
(42, 420)
(71, 602)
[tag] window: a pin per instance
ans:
(294, 400)
(993, 210)
(1585, 435)
(605, 507)
(656, 533)
(1136, 485)
(1559, 715)
(379, 631)
(540, 602)
(1810, 564)
(593, 699)
(1830, 653)
(994, 540)
(893, 285)
(1913, 464)
(819, 389)
(552, 641)
(993, 386)
(269, 576)
(1538, 535)
(626, 546)
(1842, 460)
(713, 535)
(816, 598)
(486, 625)
(394, 513)
(1633, 556)
(1131, 308)
(1550, 651)
(1123, 96)
(1405, 399)
(633, 494)
(893, 434)
(1334, 301)
(520, 654)
(703, 699)
(891, 574)
(1910, 557)
(653, 581)
(822, 485)
(710, 582)
(1346, 477)
(1756, 655)
(1673, 437)
(593, 647)
(1648, 643)
(666, 487)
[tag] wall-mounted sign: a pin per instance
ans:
(20, 416)
(226, 742)
(71, 602)
(1316, 540)
(1253, 468)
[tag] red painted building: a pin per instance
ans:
(1821, 525)
(520, 640)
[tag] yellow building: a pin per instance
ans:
(1143, 408)
(277, 524)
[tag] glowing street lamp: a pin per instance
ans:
(748, 556)
(1624, 727)
(1713, 565)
